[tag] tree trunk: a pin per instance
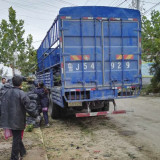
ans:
(13, 71)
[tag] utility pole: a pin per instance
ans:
(138, 4)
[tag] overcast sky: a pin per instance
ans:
(38, 15)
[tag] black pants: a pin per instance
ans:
(45, 115)
(17, 145)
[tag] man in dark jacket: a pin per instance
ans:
(2, 90)
(14, 105)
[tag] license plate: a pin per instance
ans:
(74, 104)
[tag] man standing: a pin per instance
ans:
(14, 105)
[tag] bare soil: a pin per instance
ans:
(131, 136)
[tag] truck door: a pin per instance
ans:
(121, 52)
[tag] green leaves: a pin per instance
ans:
(29, 58)
(151, 46)
(15, 51)
(2, 73)
(151, 36)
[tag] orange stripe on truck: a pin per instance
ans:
(119, 56)
(79, 57)
(126, 56)
(75, 58)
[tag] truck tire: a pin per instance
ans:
(56, 111)
(106, 106)
(64, 112)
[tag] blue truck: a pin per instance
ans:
(90, 56)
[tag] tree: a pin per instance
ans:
(151, 46)
(27, 62)
(14, 50)
(2, 73)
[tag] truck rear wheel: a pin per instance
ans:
(106, 106)
(56, 111)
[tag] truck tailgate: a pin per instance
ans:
(101, 53)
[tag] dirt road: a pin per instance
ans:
(131, 136)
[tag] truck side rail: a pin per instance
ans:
(51, 40)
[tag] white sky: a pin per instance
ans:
(38, 15)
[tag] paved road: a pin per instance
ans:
(145, 122)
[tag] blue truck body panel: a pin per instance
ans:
(96, 53)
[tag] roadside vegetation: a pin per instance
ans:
(16, 51)
(151, 48)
